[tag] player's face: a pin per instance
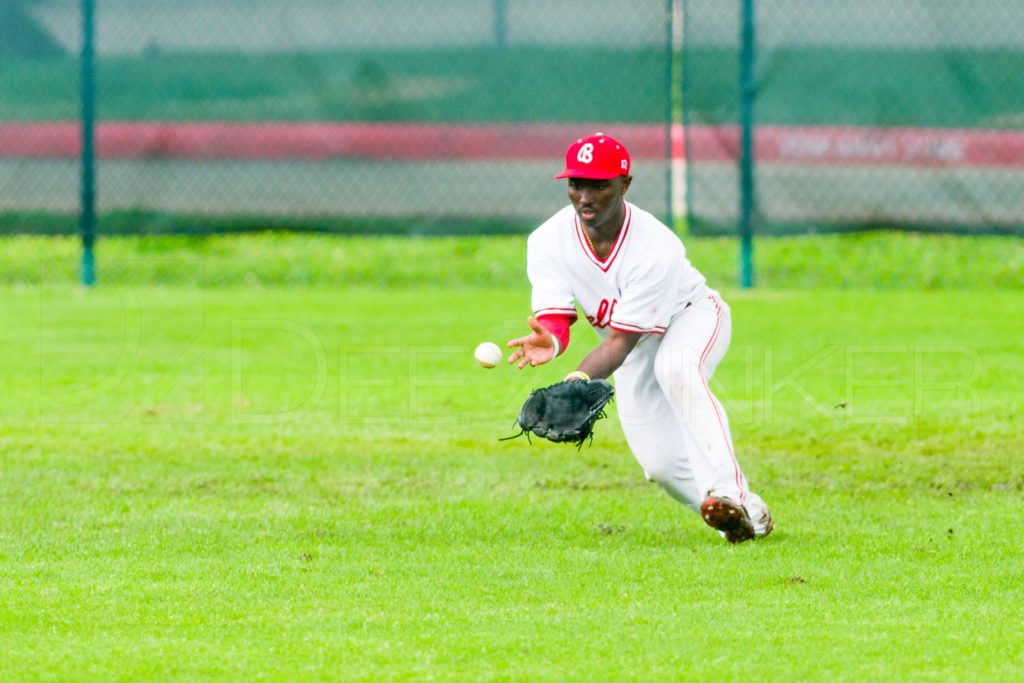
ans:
(598, 201)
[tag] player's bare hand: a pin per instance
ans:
(536, 348)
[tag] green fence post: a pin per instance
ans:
(670, 109)
(88, 85)
(746, 144)
(500, 22)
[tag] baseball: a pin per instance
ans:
(487, 354)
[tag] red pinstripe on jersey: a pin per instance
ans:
(581, 237)
(738, 474)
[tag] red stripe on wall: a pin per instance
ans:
(312, 141)
(864, 146)
(860, 146)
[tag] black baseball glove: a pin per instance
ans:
(565, 411)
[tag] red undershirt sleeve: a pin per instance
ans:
(558, 325)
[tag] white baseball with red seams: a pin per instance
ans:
(675, 426)
(487, 354)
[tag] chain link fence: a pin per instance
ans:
(393, 115)
(451, 116)
(868, 114)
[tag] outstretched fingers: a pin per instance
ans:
(534, 349)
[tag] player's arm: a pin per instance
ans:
(551, 299)
(609, 354)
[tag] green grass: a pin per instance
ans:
(877, 260)
(304, 482)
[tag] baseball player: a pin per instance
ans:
(663, 331)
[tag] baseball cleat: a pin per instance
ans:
(763, 522)
(760, 515)
(728, 517)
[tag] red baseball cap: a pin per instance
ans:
(597, 156)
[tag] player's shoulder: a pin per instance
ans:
(553, 228)
(651, 230)
(644, 219)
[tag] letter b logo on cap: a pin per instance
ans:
(586, 153)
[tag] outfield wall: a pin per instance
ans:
(399, 142)
(867, 113)
(270, 169)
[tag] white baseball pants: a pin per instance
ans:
(675, 426)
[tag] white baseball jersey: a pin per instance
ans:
(645, 281)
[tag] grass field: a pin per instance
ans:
(233, 479)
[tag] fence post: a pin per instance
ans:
(747, 95)
(88, 86)
(676, 119)
(670, 110)
(500, 22)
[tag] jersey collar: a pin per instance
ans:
(584, 243)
